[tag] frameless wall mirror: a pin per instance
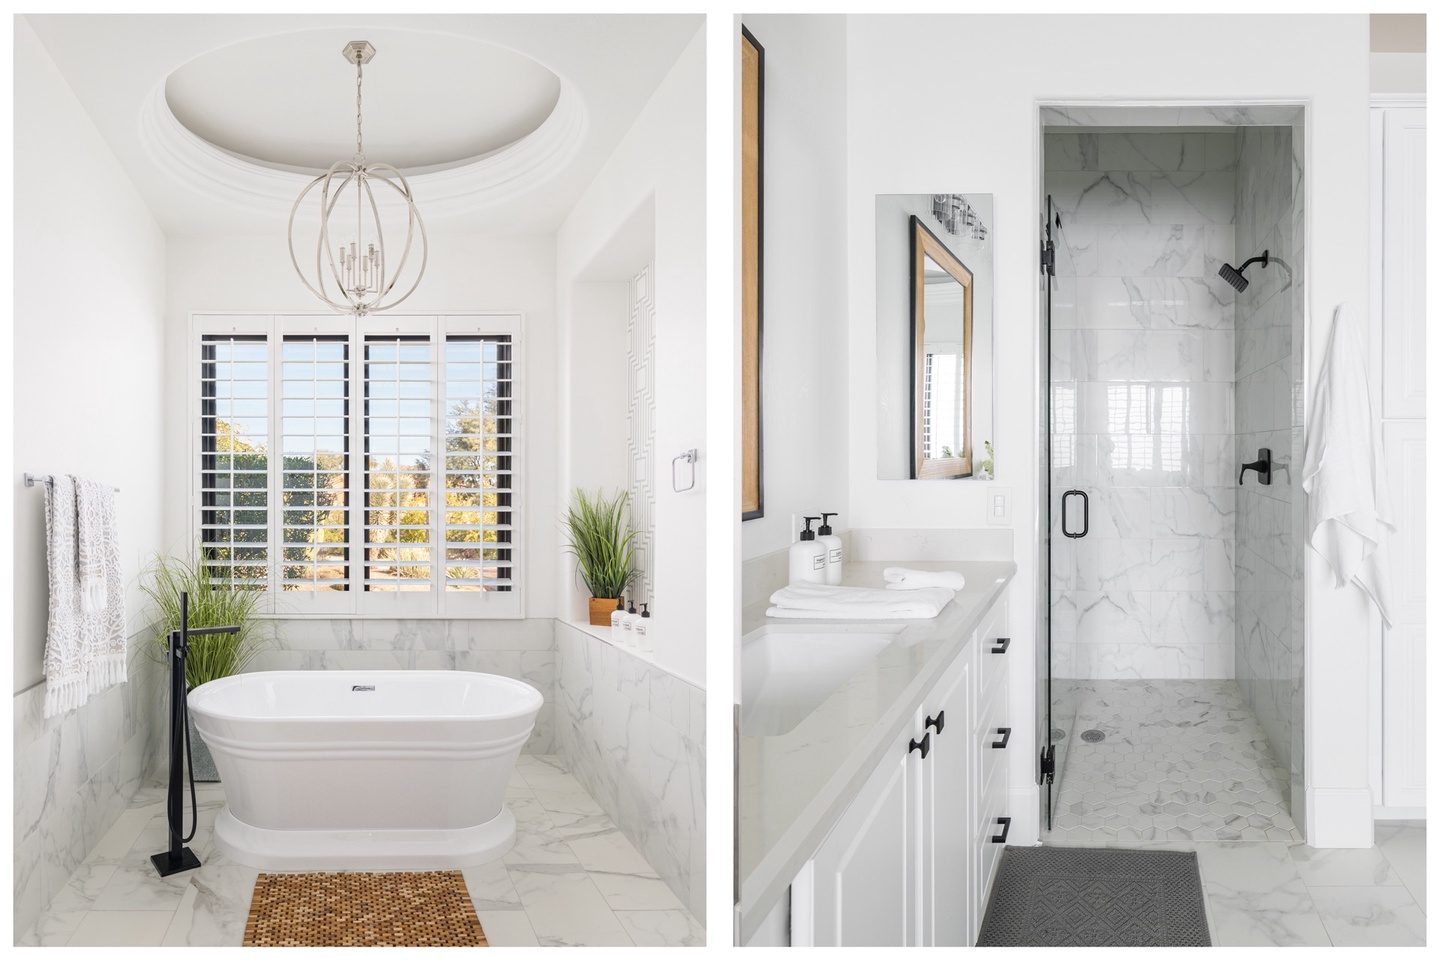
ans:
(934, 336)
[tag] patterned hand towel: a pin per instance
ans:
(102, 598)
(84, 652)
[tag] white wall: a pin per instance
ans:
(911, 126)
(661, 161)
(243, 274)
(89, 312)
(803, 350)
(88, 321)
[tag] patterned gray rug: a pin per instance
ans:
(1087, 897)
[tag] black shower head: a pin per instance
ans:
(1236, 278)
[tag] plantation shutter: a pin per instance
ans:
(399, 459)
(479, 464)
(315, 469)
(234, 495)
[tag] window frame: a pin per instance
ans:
(356, 602)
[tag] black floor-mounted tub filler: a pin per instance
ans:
(179, 857)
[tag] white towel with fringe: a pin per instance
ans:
(85, 636)
(1350, 514)
(903, 578)
(820, 602)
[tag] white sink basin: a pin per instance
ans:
(787, 671)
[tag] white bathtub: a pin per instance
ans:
(364, 769)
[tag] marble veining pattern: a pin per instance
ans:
(634, 736)
(1143, 349)
(1181, 760)
(571, 880)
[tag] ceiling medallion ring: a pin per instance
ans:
(361, 275)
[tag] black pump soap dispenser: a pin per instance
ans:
(834, 550)
(807, 557)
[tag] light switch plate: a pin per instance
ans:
(999, 505)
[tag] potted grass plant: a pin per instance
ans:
(601, 540)
(212, 603)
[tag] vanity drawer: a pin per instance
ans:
(993, 651)
(994, 761)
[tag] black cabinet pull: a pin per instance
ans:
(923, 745)
(1004, 824)
(1001, 645)
(1004, 738)
(938, 722)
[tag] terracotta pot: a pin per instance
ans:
(600, 610)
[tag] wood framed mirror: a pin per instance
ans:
(942, 294)
(752, 274)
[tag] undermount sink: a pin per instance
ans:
(786, 671)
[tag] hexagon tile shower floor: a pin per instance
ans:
(1179, 760)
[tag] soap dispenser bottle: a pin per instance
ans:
(807, 557)
(643, 640)
(834, 550)
(617, 630)
(627, 624)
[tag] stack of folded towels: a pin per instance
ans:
(908, 595)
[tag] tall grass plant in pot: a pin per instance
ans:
(602, 542)
(212, 603)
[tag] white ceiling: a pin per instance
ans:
(270, 88)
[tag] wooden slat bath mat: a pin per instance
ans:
(362, 910)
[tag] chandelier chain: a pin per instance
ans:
(359, 141)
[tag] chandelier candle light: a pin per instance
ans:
(359, 280)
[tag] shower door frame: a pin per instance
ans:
(1295, 113)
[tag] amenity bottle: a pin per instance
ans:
(617, 630)
(834, 550)
(643, 638)
(807, 557)
(627, 624)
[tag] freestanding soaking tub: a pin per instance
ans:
(364, 769)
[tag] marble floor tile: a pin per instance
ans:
(1403, 844)
(507, 928)
(559, 885)
(1370, 916)
(1255, 896)
(122, 928)
(662, 928)
(1343, 868)
(566, 909)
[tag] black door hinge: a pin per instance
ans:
(1047, 764)
(1047, 257)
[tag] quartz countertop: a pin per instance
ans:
(792, 788)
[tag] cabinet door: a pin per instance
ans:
(860, 880)
(1404, 644)
(947, 800)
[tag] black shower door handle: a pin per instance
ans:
(1065, 513)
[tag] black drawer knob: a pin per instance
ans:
(923, 745)
(938, 722)
(1001, 645)
(1004, 740)
(1004, 824)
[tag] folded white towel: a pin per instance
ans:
(1350, 514)
(818, 601)
(903, 578)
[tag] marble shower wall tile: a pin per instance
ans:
(75, 774)
(634, 736)
(1149, 429)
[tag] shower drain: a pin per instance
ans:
(1056, 734)
(1092, 736)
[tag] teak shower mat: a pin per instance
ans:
(362, 910)
(1087, 897)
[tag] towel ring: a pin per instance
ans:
(689, 456)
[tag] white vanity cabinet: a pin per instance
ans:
(912, 858)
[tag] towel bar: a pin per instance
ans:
(31, 479)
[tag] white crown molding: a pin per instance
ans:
(1380, 101)
(464, 188)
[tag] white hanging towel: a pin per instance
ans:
(822, 602)
(1350, 514)
(84, 649)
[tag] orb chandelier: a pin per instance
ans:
(356, 275)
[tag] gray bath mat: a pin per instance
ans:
(1087, 897)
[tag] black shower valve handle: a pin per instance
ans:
(1260, 466)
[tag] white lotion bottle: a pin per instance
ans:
(627, 624)
(807, 557)
(834, 550)
(644, 640)
(617, 631)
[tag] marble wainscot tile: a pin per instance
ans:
(1113, 618)
(1140, 355)
(1176, 564)
(1120, 512)
(1166, 151)
(1112, 565)
(1154, 303)
(1077, 250)
(1189, 617)
(1152, 250)
(1208, 512)
(1143, 197)
(1072, 151)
